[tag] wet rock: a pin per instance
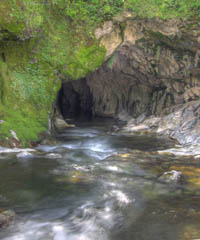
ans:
(190, 232)
(53, 156)
(192, 94)
(139, 128)
(10, 143)
(124, 116)
(15, 150)
(143, 123)
(182, 123)
(76, 177)
(47, 139)
(13, 133)
(25, 155)
(60, 123)
(172, 177)
(61, 150)
(114, 129)
(6, 217)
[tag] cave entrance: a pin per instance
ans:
(75, 100)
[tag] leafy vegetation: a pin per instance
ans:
(96, 11)
(164, 8)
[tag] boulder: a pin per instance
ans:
(60, 123)
(173, 177)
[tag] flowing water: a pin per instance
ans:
(92, 184)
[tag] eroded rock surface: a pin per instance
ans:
(152, 76)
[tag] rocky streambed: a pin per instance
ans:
(94, 183)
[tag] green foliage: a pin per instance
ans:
(164, 8)
(92, 11)
(21, 18)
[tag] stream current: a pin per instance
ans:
(92, 184)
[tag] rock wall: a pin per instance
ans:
(152, 66)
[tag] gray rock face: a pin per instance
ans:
(182, 123)
(154, 71)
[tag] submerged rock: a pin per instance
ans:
(75, 177)
(172, 177)
(6, 217)
(54, 156)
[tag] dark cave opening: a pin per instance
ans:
(75, 100)
(110, 93)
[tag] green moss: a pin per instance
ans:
(85, 60)
(111, 62)
(27, 123)
(164, 9)
(4, 82)
(21, 18)
(28, 90)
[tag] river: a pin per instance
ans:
(93, 184)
